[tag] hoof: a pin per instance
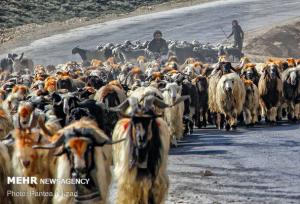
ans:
(227, 127)
(259, 118)
(249, 125)
(284, 113)
(233, 127)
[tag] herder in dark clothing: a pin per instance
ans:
(238, 35)
(158, 44)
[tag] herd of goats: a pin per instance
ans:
(76, 120)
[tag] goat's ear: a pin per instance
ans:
(21, 57)
(288, 80)
(278, 74)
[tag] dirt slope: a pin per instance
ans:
(280, 41)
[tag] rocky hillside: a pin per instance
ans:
(19, 12)
(281, 41)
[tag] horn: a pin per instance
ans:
(31, 119)
(109, 142)
(152, 100)
(56, 144)
(43, 126)
(160, 103)
(181, 99)
(21, 56)
(121, 106)
(8, 139)
(66, 107)
(91, 133)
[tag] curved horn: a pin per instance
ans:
(116, 141)
(125, 104)
(31, 119)
(56, 144)
(20, 58)
(94, 135)
(153, 100)
(8, 139)
(181, 99)
(160, 103)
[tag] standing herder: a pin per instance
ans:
(238, 35)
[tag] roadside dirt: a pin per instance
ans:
(280, 41)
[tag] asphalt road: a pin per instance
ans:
(201, 22)
(256, 165)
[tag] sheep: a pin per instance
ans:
(174, 115)
(141, 160)
(291, 91)
(5, 171)
(82, 153)
(212, 88)
(270, 89)
(230, 98)
(250, 109)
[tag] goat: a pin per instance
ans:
(270, 92)
(141, 161)
(5, 171)
(291, 91)
(174, 115)
(28, 162)
(83, 153)
(250, 109)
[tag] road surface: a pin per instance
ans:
(201, 22)
(256, 165)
